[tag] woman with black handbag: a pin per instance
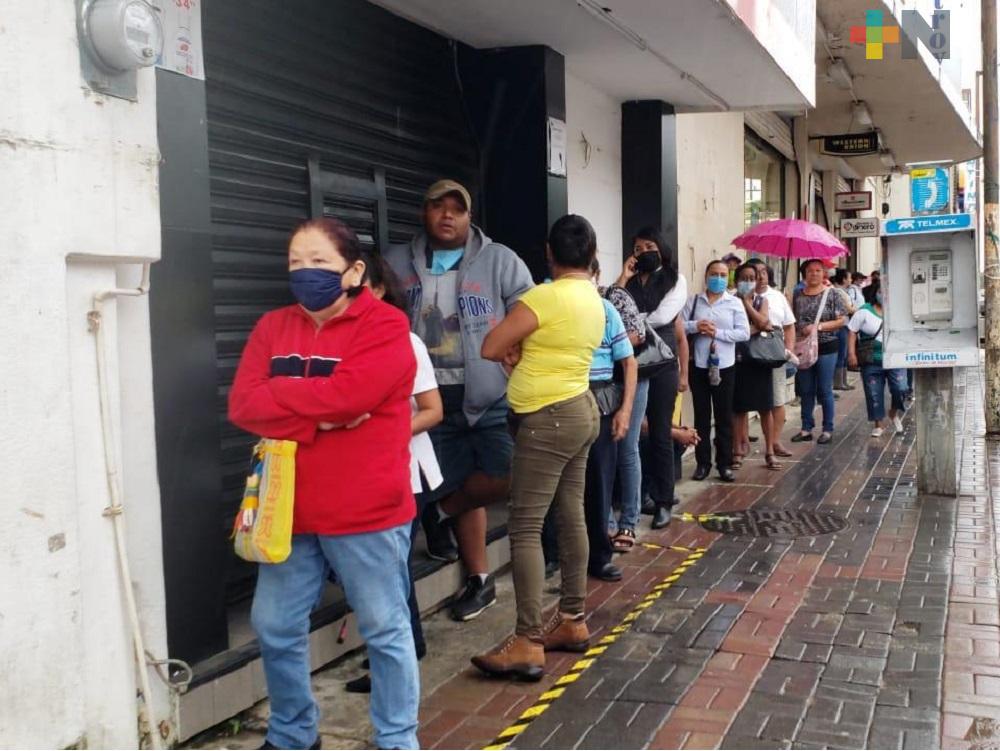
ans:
(754, 387)
(660, 291)
(864, 351)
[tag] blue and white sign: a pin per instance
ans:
(921, 224)
(929, 190)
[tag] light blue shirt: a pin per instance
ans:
(444, 261)
(614, 346)
(731, 326)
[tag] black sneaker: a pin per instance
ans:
(440, 540)
(550, 569)
(473, 599)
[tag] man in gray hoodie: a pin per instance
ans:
(459, 284)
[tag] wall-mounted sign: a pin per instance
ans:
(851, 144)
(856, 200)
(182, 49)
(929, 190)
(918, 224)
(557, 147)
(864, 227)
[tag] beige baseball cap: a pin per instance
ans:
(443, 187)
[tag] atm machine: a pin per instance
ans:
(931, 325)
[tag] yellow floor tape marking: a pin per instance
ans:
(507, 736)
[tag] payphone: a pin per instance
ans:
(929, 289)
(930, 286)
(931, 326)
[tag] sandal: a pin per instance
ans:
(624, 540)
(771, 463)
(782, 452)
(802, 437)
(737, 462)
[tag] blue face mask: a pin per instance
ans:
(316, 289)
(716, 284)
(746, 288)
(878, 298)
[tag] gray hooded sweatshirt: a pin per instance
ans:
(490, 279)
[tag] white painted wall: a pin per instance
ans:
(594, 172)
(709, 189)
(78, 180)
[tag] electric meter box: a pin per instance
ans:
(929, 293)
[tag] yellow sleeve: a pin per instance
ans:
(677, 409)
(539, 300)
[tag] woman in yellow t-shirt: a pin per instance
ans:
(549, 338)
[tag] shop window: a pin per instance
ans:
(763, 182)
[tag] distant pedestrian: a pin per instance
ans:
(615, 402)
(660, 291)
(753, 390)
(854, 290)
(865, 352)
(779, 312)
(841, 282)
(821, 311)
(732, 262)
(715, 321)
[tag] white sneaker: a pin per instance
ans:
(897, 423)
(877, 432)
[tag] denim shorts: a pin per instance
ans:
(463, 449)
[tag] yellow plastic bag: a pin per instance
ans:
(262, 531)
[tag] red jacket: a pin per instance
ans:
(293, 376)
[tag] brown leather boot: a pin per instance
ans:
(517, 657)
(565, 633)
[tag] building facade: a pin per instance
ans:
(698, 119)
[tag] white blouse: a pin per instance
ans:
(422, 457)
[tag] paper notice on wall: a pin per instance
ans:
(182, 49)
(557, 147)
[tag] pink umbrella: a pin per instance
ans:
(791, 238)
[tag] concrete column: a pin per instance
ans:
(649, 170)
(935, 402)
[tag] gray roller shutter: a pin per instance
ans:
(366, 96)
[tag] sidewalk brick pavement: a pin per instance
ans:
(883, 635)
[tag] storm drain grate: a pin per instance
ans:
(766, 523)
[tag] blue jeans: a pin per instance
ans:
(817, 383)
(842, 334)
(629, 475)
(372, 568)
(875, 378)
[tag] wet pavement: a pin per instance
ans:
(758, 630)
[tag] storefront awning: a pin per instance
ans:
(915, 106)
(697, 55)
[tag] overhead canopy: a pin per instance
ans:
(916, 107)
(696, 54)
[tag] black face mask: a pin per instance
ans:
(647, 262)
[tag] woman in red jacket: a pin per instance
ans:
(334, 373)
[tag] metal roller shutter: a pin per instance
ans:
(773, 129)
(357, 90)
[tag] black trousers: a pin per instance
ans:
(601, 464)
(660, 413)
(718, 401)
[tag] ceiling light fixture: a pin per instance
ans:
(861, 114)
